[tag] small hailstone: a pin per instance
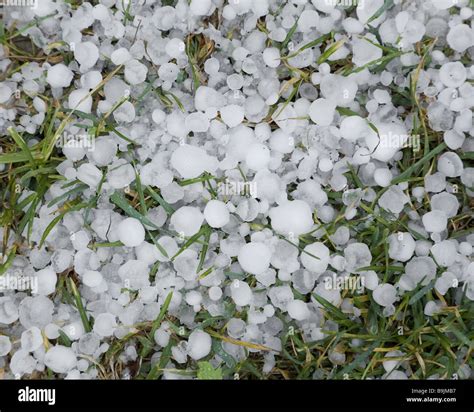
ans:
(322, 111)
(353, 128)
(92, 278)
(232, 115)
(215, 293)
(200, 7)
(432, 308)
(370, 280)
(460, 37)
(271, 57)
(120, 56)
(446, 281)
(191, 161)
(81, 100)
(199, 344)
(298, 310)
(60, 359)
(241, 293)
(444, 253)
(175, 48)
(197, 122)
(385, 294)
(135, 72)
(59, 76)
(5, 345)
(47, 279)
(281, 142)
(5, 93)
(258, 157)
(254, 257)
(187, 219)
(131, 232)
(31, 339)
(446, 202)
(315, 257)
(105, 324)
(357, 256)
(452, 74)
(453, 139)
(450, 164)
(383, 176)
(401, 246)
(86, 54)
(292, 218)
(435, 221)
(216, 213)
(158, 116)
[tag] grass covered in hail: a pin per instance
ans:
(236, 189)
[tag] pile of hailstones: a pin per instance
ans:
(292, 161)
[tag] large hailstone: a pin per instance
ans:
(315, 257)
(254, 257)
(385, 294)
(187, 220)
(199, 344)
(60, 359)
(401, 246)
(131, 232)
(292, 217)
(191, 161)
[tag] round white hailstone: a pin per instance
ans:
(135, 72)
(370, 280)
(91, 79)
(100, 12)
(105, 324)
(401, 246)
(385, 294)
(193, 297)
(271, 57)
(175, 48)
(199, 344)
(131, 232)
(60, 359)
(80, 100)
(453, 139)
(158, 116)
(31, 339)
(446, 281)
(322, 111)
(453, 74)
(104, 151)
(268, 310)
(353, 128)
(292, 217)
(435, 221)
(120, 56)
(282, 142)
(215, 293)
(315, 257)
(450, 164)
(444, 253)
(241, 293)
(254, 257)
(257, 157)
(197, 122)
(338, 89)
(446, 202)
(232, 115)
(86, 54)
(47, 279)
(298, 310)
(216, 213)
(383, 176)
(191, 161)
(5, 93)
(92, 278)
(125, 113)
(161, 337)
(208, 97)
(5, 345)
(187, 219)
(59, 76)
(200, 7)
(325, 164)
(460, 38)
(390, 139)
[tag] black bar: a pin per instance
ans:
(243, 395)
